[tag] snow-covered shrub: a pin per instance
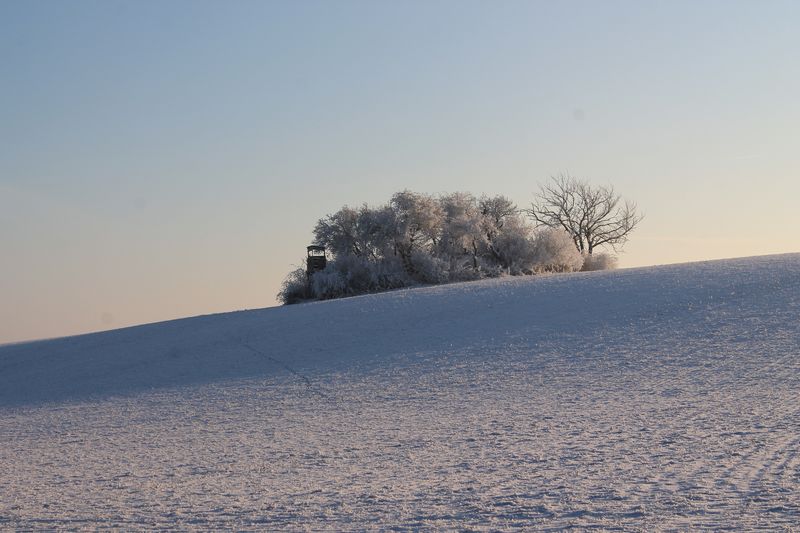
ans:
(347, 275)
(514, 247)
(328, 283)
(350, 275)
(555, 251)
(389, 274)
(294, 288)
(464, 270)
(428, 269)
(489, 268)
(356, 274)
(599, 261)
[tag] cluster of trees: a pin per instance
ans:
(423, 239)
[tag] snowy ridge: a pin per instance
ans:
(360, 330)
(662, 397)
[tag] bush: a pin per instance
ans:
(555, 251)
(514, 247)
(350, 275)
(294, 288)
(355, 272)
(389, 274)
(599, 261)
(489, 268)
(424, 239)
(329, 283)
(428, 269)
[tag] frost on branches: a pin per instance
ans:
(417, 239)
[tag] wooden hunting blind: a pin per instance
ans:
(316, 259)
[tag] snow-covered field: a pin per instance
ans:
(658, 398)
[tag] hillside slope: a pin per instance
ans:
(655, 397)
(468, 317)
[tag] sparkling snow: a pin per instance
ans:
(659, 398)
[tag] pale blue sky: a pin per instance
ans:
(164, 159)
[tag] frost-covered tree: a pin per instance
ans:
(512, 247)
(419, 238)
(363, 232)
(337, 232)
(417, 226)
(593, 216)
(496, 211)
(463, 235)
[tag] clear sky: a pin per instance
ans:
(166, 159)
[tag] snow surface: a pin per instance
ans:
(658, 398)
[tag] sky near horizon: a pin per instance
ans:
(168, 159)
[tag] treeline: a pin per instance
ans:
(423, 239)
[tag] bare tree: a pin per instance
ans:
(593, 216)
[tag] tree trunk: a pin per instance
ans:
(404, 251)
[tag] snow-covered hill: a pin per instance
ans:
(665, 397)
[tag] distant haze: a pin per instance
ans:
(159, 160)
